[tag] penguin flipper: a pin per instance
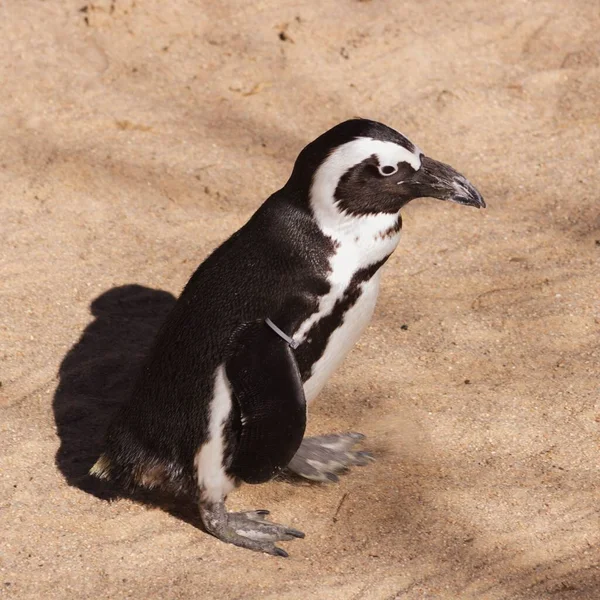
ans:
(268, 390)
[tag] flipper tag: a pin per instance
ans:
(292, 343)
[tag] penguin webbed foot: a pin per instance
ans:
(248, 529)
(322, 457)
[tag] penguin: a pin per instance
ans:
(262, 324)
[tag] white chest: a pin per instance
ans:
(364, 246)
(341, 341)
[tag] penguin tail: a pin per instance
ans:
(148, 474)
(101, 468)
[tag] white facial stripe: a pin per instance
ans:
(388, 153)
(342, 159)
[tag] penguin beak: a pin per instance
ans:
(438, 180)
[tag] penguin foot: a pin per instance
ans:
(248, 529)
(322, 457)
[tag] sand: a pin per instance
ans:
(135, 136)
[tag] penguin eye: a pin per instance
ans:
(387, 170)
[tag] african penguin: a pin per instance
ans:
(262, 324)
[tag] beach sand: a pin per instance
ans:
(135, 136)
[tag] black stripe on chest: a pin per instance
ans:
(315, 343)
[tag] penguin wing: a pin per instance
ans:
(267, 387)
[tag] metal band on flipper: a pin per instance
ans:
(293, 344)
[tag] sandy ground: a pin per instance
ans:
(137, 135)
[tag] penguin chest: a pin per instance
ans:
(332, 336)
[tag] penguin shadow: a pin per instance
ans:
(96, 377)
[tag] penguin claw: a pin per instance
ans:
(248, 529)
(254, 526)
(256, 515)
(321, 458)
(362, 458)
(296, 533)
(259, 516)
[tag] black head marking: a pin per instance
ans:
(364, 189)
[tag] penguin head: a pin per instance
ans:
(361, 167)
